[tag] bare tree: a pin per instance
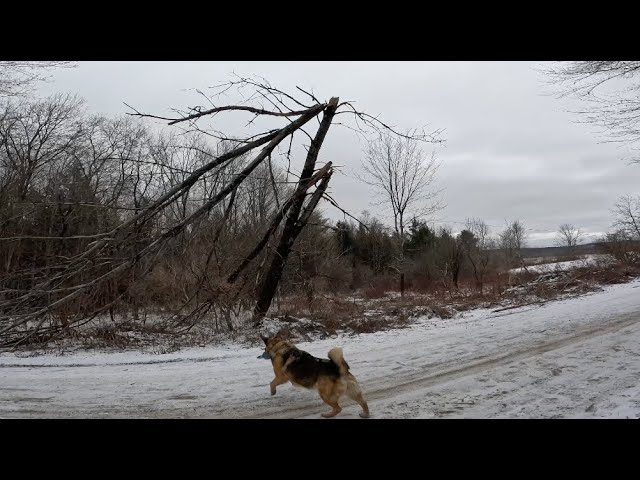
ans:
(621, 246)
(33, 135)
(627, 212)
(403, 174)
(479, 252)
(568, 235)
(610, 91)
(512, 241)
(171, 200)
(449, 257)
(17, 78)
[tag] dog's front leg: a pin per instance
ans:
(279, 380)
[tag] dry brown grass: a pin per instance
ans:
(377, 307)
(499, 291)
(374, 308)
(374, 292)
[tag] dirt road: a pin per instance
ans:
(571, 358)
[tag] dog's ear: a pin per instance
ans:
(264, 339)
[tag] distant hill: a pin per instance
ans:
(585, 249)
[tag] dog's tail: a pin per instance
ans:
(335, 355)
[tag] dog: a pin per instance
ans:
(330, 377)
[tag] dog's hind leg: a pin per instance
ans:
(336, 409)
(331, 399)
(354, 393)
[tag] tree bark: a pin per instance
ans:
(295, 222)
(274, 225)
(272, 278)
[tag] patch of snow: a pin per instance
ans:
(585, 261)
(573, 358)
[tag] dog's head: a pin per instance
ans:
(271, 346)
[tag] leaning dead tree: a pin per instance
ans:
(73, 287)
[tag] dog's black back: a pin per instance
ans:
(305, 369)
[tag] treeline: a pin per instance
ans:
(432, 258)
(69, 180)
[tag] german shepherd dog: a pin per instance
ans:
(330, 377)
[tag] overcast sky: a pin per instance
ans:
(511, 151)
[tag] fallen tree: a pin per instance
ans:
(64, 294)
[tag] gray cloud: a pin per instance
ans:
(512, 151)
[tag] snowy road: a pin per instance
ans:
(572, 358)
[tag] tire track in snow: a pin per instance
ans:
(381, 388)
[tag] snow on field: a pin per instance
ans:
(585, 261)
(575, 358)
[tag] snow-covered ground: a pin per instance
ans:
(578, 357)
(585, 261)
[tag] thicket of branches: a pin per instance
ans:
(437, 259)
(105, 215)
(18, 78)
(610, 92)
(112, 218)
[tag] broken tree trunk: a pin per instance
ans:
(275, 223)
(295, 221)
(84, 260)
(272, 278)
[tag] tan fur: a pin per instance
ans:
(330, 388)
